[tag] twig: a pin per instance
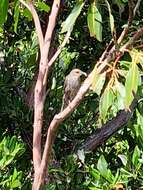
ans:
(51, 24)
(137, 6)
(123, 34)
(52, 60)
(48, 35)
(130, 18)
(105, 53)
(128, 45)
(132, 40)
(31, 8)
(54, 57)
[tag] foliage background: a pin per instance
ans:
(117, 163)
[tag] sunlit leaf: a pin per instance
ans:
(120, 88)
(138, 127)
(15, 183)
(136, 156)
(105, 102)
(104, 171)
(94, 188)
(116, 177)
(94, 20)
(71, 19)
(3, 11)
(112, 26)
(95, 173)
(27, 14)
(16, 15)
(126, 173)
(137, 56)
(102, 165)
(98, 81)
(131, 84)
(43, 6)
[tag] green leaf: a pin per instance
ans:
(116, 176)
(94, 20)
(27, 14)
(106, 101)
(94, 188)
(136, 155)
(102, 167)
(31, 60)
(126, 173)
(15, 184)
(43, 6)
(16, 15)
(68, 24)
(98, 81)
(120, 89)
(138, 126)
(95, 173)
(111, 18)
(3, 11)
(131, 84)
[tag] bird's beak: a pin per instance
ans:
(83, 73)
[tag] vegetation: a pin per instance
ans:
(97, 141)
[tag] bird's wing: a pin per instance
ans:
(66, 96)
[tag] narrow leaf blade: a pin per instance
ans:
(3, 11)
(105, 102)
(131, 84)
(94, 20)
(71, 19)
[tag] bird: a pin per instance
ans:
(71, 86)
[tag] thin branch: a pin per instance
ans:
(52, 60)
(105, 53)
(137, 6)
(31, 8)
(48, 35)
(130, 18)
(123, 34)
(51, 24)
(131, 42)
(26, 5)
(128, 45)
(54, 57)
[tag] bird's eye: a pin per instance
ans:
(77, 71)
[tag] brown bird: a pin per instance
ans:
(71, 86)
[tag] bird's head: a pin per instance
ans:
(78, 72)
